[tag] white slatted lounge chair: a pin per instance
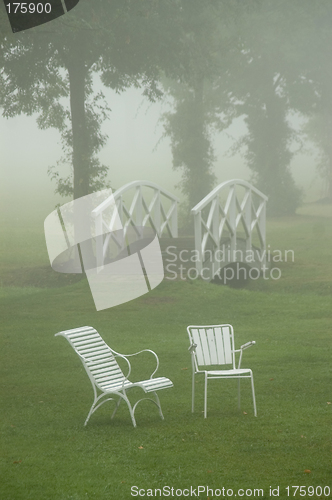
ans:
(214, 346)
(106, 376)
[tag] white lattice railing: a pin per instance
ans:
(139, 204)
(234, 211)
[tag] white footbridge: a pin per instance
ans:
(230, 227)
(229, 223)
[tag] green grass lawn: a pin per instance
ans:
(47, 453)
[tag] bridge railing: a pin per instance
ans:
(139, 204)
(229, 221)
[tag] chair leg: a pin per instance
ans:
(93, 407)
(155, 401)
(193, 393)
(159, 405)
(96, 398)
(239, 393)
(205, 396)
(253, 394)
(116, 407)
(89, 414)
(131, 411)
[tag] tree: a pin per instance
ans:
(267, 38)
(318, 129)
(124, 41)
(189, 129)
(234, 63)
(310, 89)
(201, 92)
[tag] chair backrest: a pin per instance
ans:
(97, 357)
(214, 345)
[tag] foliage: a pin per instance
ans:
(199, 93)
(96, 111)
(310, 88)
(259, 60)
(235, 61)
(191, 145)
(262, 91)
(122, 41)
(318, 129)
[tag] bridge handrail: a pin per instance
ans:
(137, 213)
(119, 192)
(209, 197)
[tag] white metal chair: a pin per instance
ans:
(214, 346)
(105, 374)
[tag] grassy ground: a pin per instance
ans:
(47, 453)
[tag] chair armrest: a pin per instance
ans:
(242, 348)
(139, 352)
(192, 348)
(248, 344)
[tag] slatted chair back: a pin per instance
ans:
(214, 345)
(97, 357)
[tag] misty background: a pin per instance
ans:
(138, 146)
(135, 150)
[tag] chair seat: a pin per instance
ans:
(150, 385)
(236, 372)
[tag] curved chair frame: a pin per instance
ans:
(105, 374)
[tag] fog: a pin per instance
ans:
(135, 150)
(264, 66)
(261, 83)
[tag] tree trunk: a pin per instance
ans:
(77, 78)
(329, 154)
(326, 143)
(77, 71)
(201, 180)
